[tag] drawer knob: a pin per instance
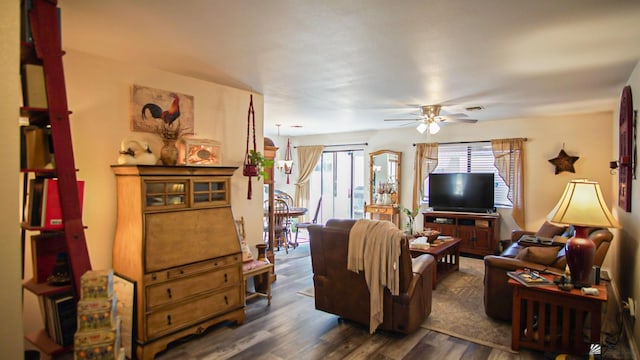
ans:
(153, 276)
(168, 319)
(169, 292)
(225, 277)
(226, 300)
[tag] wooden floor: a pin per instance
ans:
(292, 329)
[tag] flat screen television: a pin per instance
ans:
(464, 192)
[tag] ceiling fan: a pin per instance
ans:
(430, 119)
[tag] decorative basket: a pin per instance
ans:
(431, 235)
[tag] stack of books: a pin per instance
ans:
(61, 318)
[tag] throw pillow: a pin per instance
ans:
(545, 255)
(247, 255)
(522, 254)
(548, 230)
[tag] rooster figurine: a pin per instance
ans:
(168, 116)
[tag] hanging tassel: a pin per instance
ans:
(249, 189)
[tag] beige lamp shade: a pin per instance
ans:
(582, 204)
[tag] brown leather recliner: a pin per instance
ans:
(498, 298)
(345, 293)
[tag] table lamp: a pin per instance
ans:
(582, 206)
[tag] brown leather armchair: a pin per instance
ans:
(498, 299)
(345, 293)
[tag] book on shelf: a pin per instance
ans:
(51, 203)
(61, 318)
(34, 204)
(45, 209)
(34, 91)
(36, 148)
(529, 278)
(25, 24)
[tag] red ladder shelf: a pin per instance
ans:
(45, 29)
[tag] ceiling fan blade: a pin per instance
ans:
(402, 119)
(455, 114)
(459, 120)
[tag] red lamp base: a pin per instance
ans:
(580, 252)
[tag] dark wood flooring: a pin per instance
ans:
(291, 328)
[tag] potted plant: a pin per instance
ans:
(411, 215)
(257, 165)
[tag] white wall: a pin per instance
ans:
(586, 136)
(11, 340)
(625, 249)
(98, 91)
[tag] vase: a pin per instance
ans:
(169, 153)
(580, 252)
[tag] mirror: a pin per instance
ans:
(384, 173)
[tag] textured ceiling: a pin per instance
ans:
(345, 65)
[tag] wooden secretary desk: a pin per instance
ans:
(176, 238)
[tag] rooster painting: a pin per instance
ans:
(168, 116)
(155, 110)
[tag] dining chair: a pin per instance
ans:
(305, 225)
(279, 194)
(282, 223)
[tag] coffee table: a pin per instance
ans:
(447, 255)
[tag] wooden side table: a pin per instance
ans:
(548, 319)
(257, 269)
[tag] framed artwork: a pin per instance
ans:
(161, 111)
(125, 290)
(626, 156)
(193, 151)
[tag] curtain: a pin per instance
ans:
(308, 157)
(426, 162)
(508, 155)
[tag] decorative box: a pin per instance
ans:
(96, 313)
(98, 345)
(96, 284)
(192, 151)
(99, 336)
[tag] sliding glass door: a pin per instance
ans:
(339, 178)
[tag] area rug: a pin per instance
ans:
(308, 292)
(458, 308)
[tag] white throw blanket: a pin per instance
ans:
(374, 247)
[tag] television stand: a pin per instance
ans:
(479, 232)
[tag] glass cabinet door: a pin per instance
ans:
(208, 192)
(165, 193)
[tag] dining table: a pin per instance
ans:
(292, 212)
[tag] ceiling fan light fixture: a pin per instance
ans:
(434, 128)
(422, 127)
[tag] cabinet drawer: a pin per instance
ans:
(181, 315)
(177, 290)
(184, 271)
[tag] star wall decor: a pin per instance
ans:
(564, 162)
